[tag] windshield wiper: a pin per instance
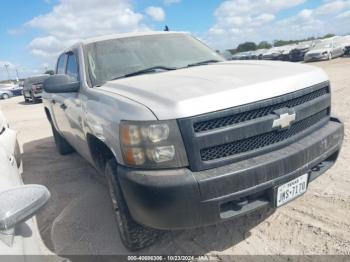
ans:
(206, 62)
(145, 71)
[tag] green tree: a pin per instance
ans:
(264, 45)
(247, 46)
(328, 35)
(49, 72)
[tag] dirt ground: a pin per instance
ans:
(79, 220)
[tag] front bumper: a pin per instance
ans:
(177, 199)
(320, 57)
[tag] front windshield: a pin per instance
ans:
(115, 58)
(325, 44)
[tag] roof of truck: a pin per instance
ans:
(134, 34)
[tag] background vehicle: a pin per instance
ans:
(258, 54)
(345, 42)
(18, 203)
(227, 55)
(285, 52)
(297, 54)
(273, 53)
(5, 94)
(324, 50)
(243, 55)
(32, 88)
(16, 90)
(185, 138)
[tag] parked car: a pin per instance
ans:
(243, 55)
(324, 50)
(18, 202)
(16, 90)
(5, 94)
(285, 52)
(297, 54)
(345, 42)
(227, 55)
(273, 53)
(187, 139)
(258, 54)
(32, 88)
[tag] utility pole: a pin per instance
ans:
(17, 74)
(7, 70)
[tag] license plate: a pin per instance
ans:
(291, 190)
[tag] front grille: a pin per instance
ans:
(262, 140)
(234, 134)
(253, 114)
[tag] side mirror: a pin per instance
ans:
(60, 84)
(21, 203)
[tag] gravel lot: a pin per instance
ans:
(79, 220)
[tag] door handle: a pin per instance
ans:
(63, 106)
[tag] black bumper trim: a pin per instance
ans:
(177, 199)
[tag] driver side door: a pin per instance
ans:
(67, 106)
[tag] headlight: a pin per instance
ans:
(325, 53)
(152, 144)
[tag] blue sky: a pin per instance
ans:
(33, 32)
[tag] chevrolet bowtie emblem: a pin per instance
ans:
(284, 120)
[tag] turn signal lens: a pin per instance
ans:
(130, 135)
(161, 154)
(134, 156)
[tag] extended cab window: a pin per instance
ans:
(61, 64)
(72, 67)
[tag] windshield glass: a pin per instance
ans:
(118, 57)
(325, 44)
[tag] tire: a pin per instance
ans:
(133, 235)
(63, 147)
(5, 96)
(34, 99)
(25, 99)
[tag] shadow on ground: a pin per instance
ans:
(79, 219)
(28, 103)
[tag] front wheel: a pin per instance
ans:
(330, 56)
(63, 147)
(5, 96)
(34, 99)
(133, 235)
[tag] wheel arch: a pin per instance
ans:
(100, 152)
(48, 114)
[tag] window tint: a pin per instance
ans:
(72, 67)
(60, 64)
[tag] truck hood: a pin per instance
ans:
(202, 89)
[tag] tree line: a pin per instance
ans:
(251, 46)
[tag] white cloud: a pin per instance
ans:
(170, 2)
(22, 71)
(237, 21)
(73, 20)
(345, 14)
(3, 63)
(157, 13)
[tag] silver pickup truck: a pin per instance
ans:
(185, 138)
